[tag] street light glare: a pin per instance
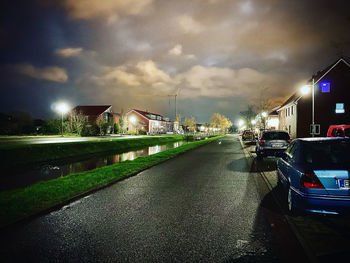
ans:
(305, 90)
(62, 107)
(253, 122)
(240, 122)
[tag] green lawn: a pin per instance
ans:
(21, 203)
(13, 155)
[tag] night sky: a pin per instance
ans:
(219, 55)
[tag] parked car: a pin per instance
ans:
(272, 143)
(314, 172)
(248, 135)
(339, 131)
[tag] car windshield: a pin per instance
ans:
(275, 136)
(327, 152)
(347, 132)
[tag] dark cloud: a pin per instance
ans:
(134, 53)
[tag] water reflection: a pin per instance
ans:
(51, 171)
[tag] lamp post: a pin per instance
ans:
(62, 108)
(305, 90)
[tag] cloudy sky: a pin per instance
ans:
(217, 55)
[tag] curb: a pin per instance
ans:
(303, 243)
(58, 206)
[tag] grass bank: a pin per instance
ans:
(26, 154)
(21, 203)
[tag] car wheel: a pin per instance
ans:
(259, 156)
(292, 210)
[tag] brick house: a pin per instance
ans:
(92, 112)
(148, 122)
(332, 102)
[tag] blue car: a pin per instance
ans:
(314, 172)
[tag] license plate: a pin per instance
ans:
(344, 183)
(276, 145)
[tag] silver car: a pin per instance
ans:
(272, 143)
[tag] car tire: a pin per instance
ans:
(292, 210)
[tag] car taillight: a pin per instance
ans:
(290, 140)
(262, 141)
(310, 180)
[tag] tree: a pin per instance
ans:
(100, 121)
(178, 119)
(220, 122)
(52, 126)
(117, 128)
(248, 115)
(190, 123)
(123, 122)
(77, 122)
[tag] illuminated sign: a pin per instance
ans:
(325, 86)
(339, 108)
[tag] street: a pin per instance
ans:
(203, 206)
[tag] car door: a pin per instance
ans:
(284, 163)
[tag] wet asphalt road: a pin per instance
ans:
(203, 206)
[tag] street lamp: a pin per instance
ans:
(240, 123)
(62, 108)
(305, 90)
(253, 122)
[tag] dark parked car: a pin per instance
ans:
(272, 143)
(248, 135)
(339, 131)
(315, 174)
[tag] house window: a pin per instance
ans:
(289, 129)
(292, 109)
(325, 86)
(339, 108)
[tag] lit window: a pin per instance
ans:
(339, 108)
(325, 86)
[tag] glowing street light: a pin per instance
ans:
(240, 123)
(62, 108)
(305, 89)
(253, 122)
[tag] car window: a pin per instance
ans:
(327, 152)
(275, 136)
(347, 132)
(334, 132)
(340, 133)
(291, 149)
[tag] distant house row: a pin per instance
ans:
(137, 120)
(331, 103)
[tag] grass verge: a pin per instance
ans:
(13, 155)
(18, 204)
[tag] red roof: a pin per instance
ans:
(91, 110)
(148, 114)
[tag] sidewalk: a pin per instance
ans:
(324, 238)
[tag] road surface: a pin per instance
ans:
(203, 206)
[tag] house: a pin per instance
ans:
(148, 122)
(92, 112)
(272, 120)
(331, 102)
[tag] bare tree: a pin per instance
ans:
(77, 122)
(190, 123)
(100, 121)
